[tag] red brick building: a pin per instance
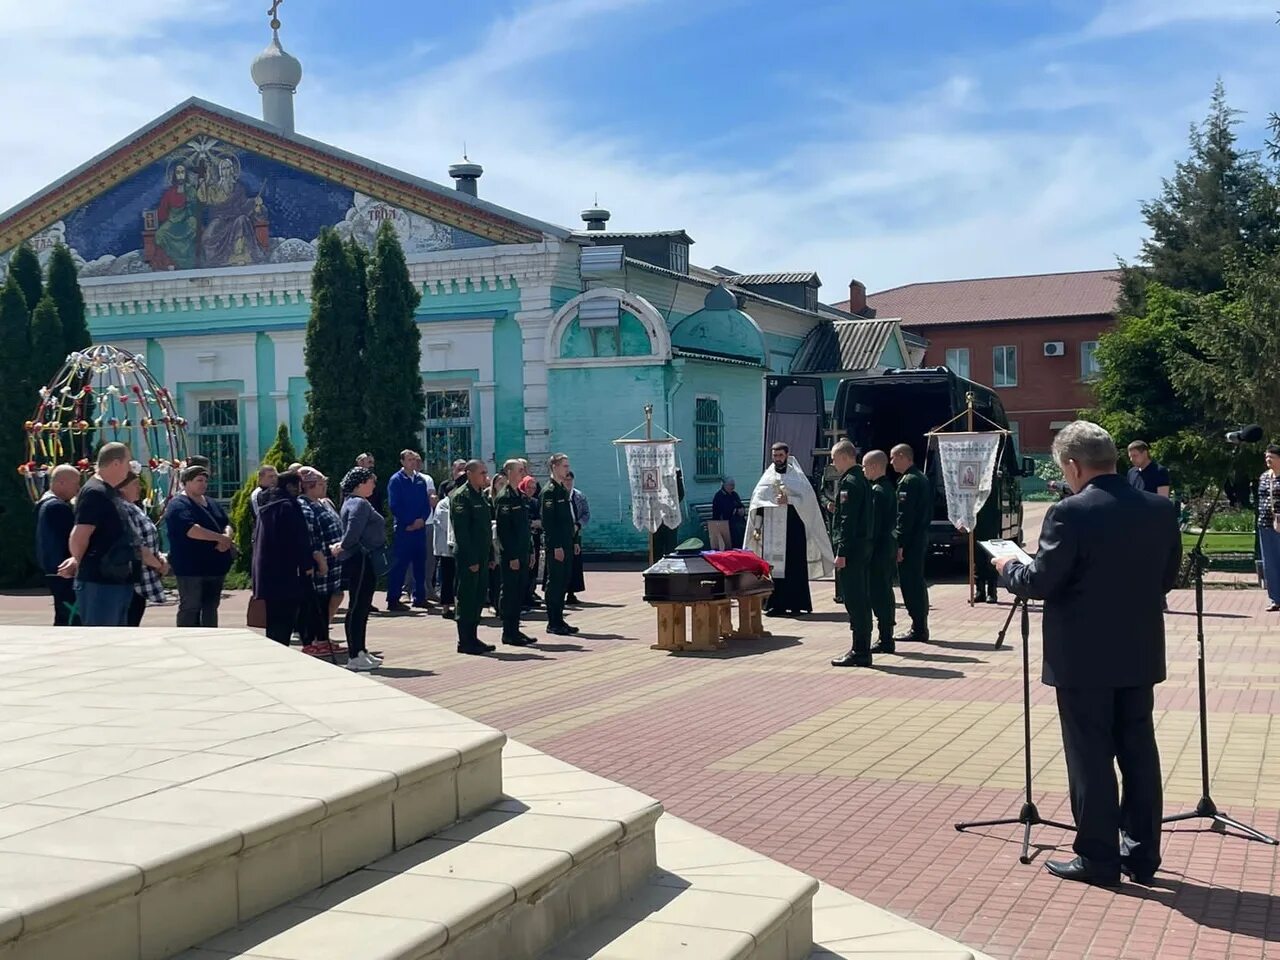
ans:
(1031, 338)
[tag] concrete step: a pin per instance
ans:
(163, 786)
(710, 899)
(560, 851)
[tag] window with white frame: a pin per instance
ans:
(1004, 364)
(708, 430)
(215, 433)
(1090, 368)
(958, 361)
(448, 431)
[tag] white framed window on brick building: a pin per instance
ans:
(1004, 367)
(958, 362)
(1090, 368)
(448, 433)
(708, 430)
(215, 432)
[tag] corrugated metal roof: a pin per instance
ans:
(842, 346)
(747, 292)
(714, 357)
(990, 299)
(638, 235)
(800, 276)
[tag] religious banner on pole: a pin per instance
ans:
(651, 470)
(968, 463)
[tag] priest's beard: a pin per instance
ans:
(780, 467)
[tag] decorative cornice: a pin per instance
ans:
(159, 142)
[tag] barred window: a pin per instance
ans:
(216, 435)
(447, 432)
(708, 438)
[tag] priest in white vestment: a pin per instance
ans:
(785, 527)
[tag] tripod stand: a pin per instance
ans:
(1206, 809)
(1028, 816)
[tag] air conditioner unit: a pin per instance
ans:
(1054, 348)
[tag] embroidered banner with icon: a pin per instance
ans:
(651, 470)
(968, 465)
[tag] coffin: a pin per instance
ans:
(687, 577)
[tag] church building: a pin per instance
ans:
(195, 238)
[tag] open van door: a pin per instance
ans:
(795, 413)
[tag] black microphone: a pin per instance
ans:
(1250, 434)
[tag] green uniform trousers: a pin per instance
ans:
(880, 571)
(472, 589)
(852, 583)
(557, 585)
(512, 597)
(915, 594)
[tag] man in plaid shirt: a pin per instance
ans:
(325, 527)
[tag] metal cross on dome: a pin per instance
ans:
(275, 20)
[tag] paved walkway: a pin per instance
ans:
(857, 776)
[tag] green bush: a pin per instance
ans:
(279, 455)
(1233, 521)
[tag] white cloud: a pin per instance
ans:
(936, 183)
(1122, 18)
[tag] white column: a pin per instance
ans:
(485, 401)
(534, 318)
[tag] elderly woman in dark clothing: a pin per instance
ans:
(364, 536)
(282, 559)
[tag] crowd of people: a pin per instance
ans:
(462, 545)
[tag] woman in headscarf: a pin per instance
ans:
(364, 533)
(282, 560)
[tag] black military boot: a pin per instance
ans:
(469, 643)
(884, 644)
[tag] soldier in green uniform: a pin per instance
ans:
(851, 543)
(557, 537)
(915, 513)
(469, 520)
(989, 527)
(884, 546)
(515, 542)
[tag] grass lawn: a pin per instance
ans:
(1221, 542)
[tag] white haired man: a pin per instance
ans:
(1108, 555)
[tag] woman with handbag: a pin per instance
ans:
(200, 549)
(282, 558)
(1269, 525)
(363, 552)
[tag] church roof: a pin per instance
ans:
(196, 116)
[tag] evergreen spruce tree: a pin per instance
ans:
(394, 400)
(48, 348)
(335, 421)
(25, 268)
(17, 400)
(279, 455)
(64, 287)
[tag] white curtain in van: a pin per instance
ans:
(968, 465)
(651, 469)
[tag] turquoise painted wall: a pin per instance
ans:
(628, 339)
(297, 410)
(508, 389)
(892, 356)
(155, 360)
(265, 362)
(782, 351)
(584, 430)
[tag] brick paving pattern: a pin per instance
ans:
(856, 776)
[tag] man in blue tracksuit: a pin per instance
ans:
(411, 495)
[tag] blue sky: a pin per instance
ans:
(892, 142)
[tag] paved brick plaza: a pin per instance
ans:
(857, 776)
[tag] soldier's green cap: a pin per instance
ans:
(693, 543)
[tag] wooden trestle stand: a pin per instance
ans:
(712, 622)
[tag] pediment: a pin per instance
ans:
(204, 189)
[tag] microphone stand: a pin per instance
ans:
(1029, 815)
(1206, 809)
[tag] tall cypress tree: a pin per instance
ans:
(25, 268)
(394, 400)
(334, 422)
(17, 400)
(48, 349)
(64, 287)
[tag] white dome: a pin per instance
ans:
(276, 68)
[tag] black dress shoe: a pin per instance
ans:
(528, 639)
(1084, 872)
(1140, 877)
(912, 637)
(475, 649)
(852, 659)
(991, 597)
(517, 641)
(562, 630)
(396, 607)
(448, 613)
(883, 646)
(571, 600)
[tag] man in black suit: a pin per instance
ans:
(1107, 557)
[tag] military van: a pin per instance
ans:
(879, 410)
